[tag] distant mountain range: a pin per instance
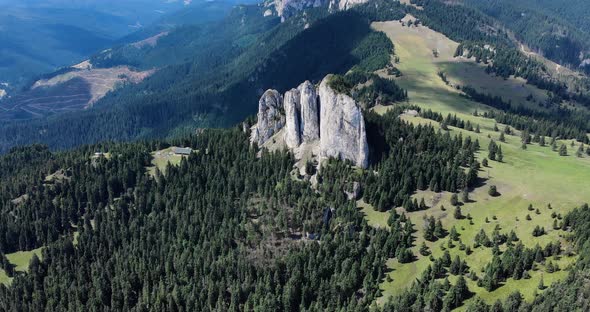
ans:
(38, 37)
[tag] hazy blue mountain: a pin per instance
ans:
(40, 36)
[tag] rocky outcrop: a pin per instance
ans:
(310, 112)
(271, 117)
(341, 5)
(342, 127)
(288, 8)
(354, 192)
(292, 117)
(311, 117)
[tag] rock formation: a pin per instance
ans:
(271, 117)
(288, 8)
(310, 115)
(292, 116)
(342, 127)
(321, 118)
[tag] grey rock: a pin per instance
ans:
(292, 118)
(288, 8)
(355, 191)
(342, 127)
(271, 117)
(310, 115)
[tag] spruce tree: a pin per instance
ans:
(563, 150)
(457, 214)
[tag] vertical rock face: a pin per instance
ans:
(271, 117)
(310, 115)
(342, 127)
(292, 118)
(288, 8)
(341, 5)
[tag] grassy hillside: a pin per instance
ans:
(536, 176)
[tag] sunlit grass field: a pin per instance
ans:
(537, 175)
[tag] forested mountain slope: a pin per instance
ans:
(40, 36)
(474, 198)
(210, 74)
(219, 83)
(556, 29)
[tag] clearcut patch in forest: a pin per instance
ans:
(161, 159)
(74, 90)
(537, 176)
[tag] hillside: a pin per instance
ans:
(210, 73)
(39, 37)
(75, 90)
(413, 156)
(218, 85)
(536, 176)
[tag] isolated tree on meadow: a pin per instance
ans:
(493, 191)
(563, 150)
(454, 200)
(458, 214)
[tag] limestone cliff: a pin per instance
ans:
(320, 120)
(342, 127)
(292, 115)
(271, 117)
(310, 115)
(288, 8)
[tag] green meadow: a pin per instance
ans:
(20, 260)
(536, 176)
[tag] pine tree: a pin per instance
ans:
(457, 214)
(465, 195)
(453, 234)
(439, 231)
(493, 191)
(454, 200)
(424, 249)
(563, 150)
(492, 150)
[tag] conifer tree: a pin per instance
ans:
(563, 150)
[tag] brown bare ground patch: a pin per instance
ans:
(100, 80)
